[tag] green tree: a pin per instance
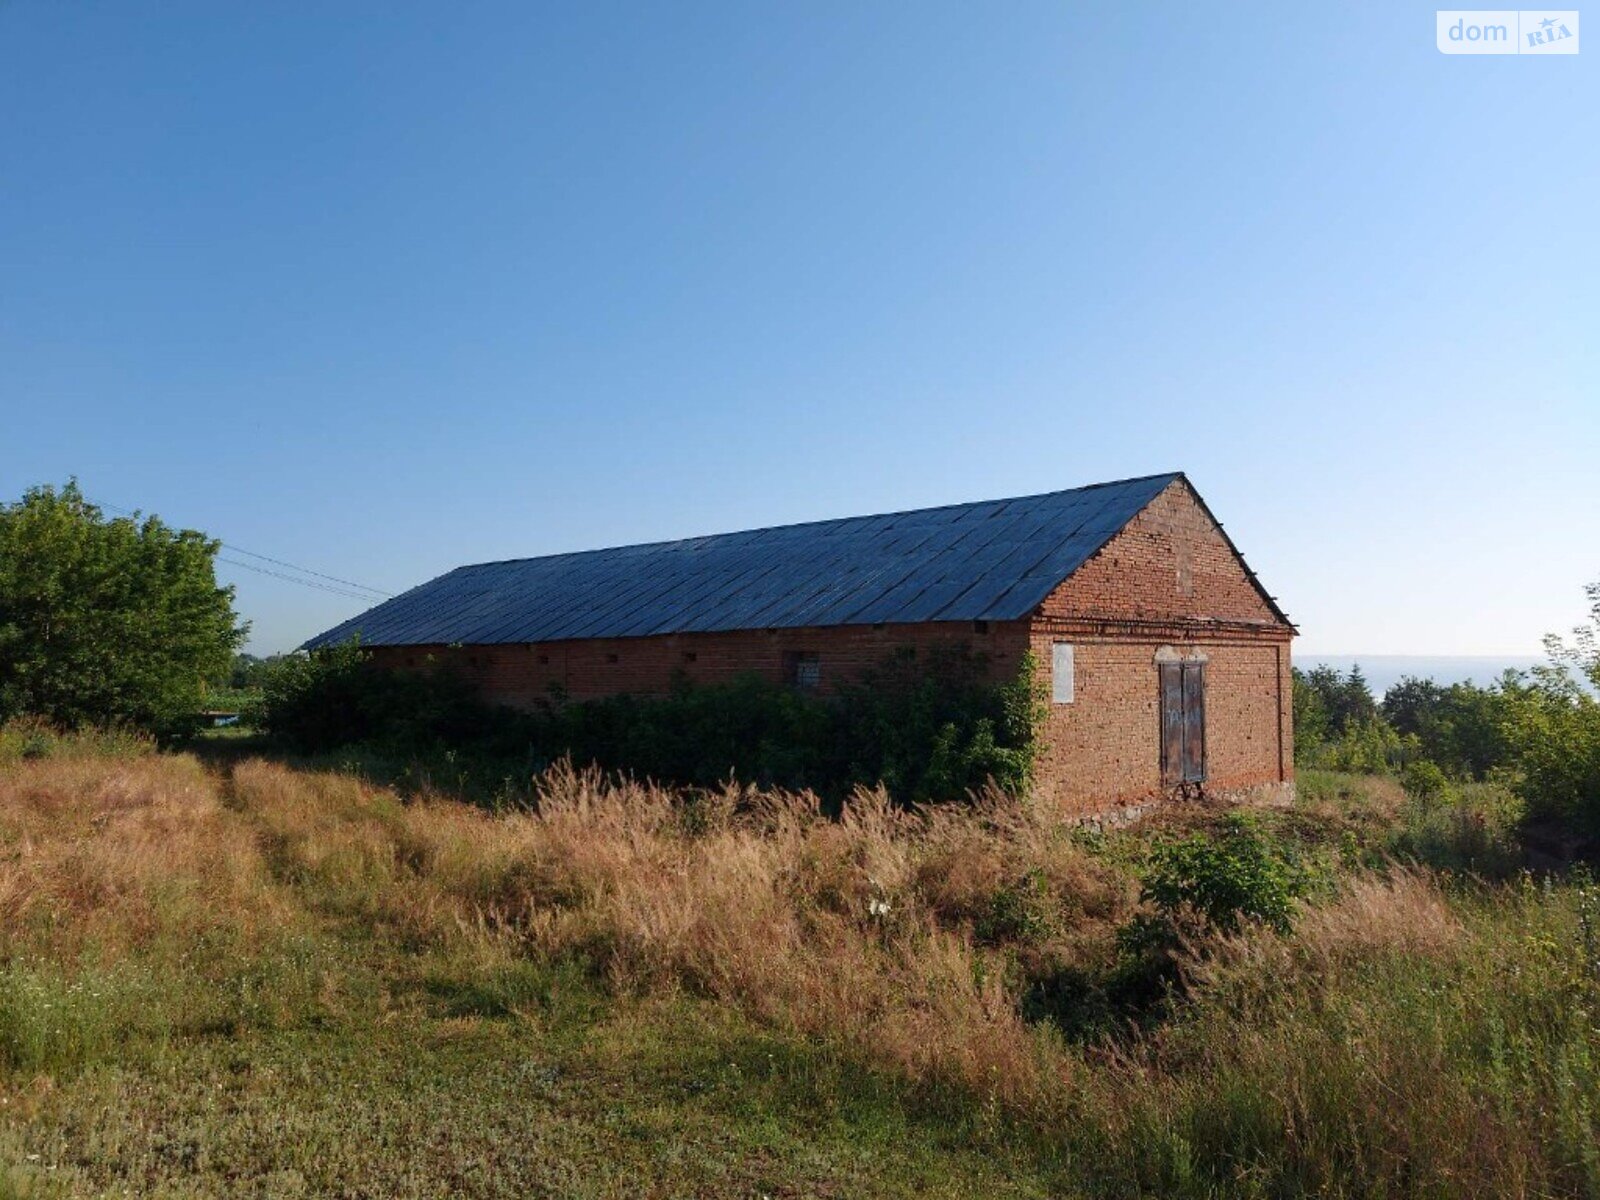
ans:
(1580, 656)
(1413, 705)
(1554, 728)
(1337, 723)
(1462, 727)
(1354, 705)
(106, 621)
(1345, 699)
(1310, 719)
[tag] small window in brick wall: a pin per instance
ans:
(980, 627)
(611, 658)
(802, 668)
(1063, 685)
(689, 656)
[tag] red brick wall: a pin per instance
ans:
(1105, 747)
(520, 674)
(1170, 562)
(1168, 580)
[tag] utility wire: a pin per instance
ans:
(345, 583)
(305, 570)
(321, 587)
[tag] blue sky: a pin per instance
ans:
(384, 288)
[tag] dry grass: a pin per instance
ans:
(112, 853)
(860, 929)
(1412, 1036)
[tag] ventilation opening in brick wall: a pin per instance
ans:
(802, 668)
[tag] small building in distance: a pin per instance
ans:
(1165, 661)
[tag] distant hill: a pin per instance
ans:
(1383, 671)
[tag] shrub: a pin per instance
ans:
(1556, 731)
(1019, 911)
(1471, 828)
(1369, 746)
(316, 702)
(930, 729)
(1424, 782)
(1236, 876)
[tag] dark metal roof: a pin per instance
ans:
(993, 561)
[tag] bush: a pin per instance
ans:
(317, 702)
(1370, 747)
(1558, 760)
(1472, 828)
(1553, 727)
(1239, 875)
(930, 729)
(1424, 782)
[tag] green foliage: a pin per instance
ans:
(1473, 827)
(317, 702)
(1371, 746)
(1555, 728)
(1342, 700)
(1240, 874)
(1461, 727)
(1537, 733)
(1556, 732)
(247, 672)
(1023, 911)
(937, 728)
(1337, 725)
(1424, 782)
(928, 729)
(107, 621)
(1311, 723)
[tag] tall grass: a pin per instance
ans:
(860, 929)
(133, 905)
(1412, 1033)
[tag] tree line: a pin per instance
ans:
(1536, 731)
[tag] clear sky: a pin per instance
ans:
(379, 289)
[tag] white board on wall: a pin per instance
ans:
(1061, 682)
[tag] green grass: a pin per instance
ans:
(422, 1077)
(317, 1020)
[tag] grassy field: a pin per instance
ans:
(246, 979)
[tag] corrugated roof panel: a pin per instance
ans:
(993, 560)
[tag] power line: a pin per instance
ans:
(305, 570)
(321, 587)
(346, 583)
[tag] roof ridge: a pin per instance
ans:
(902, 512)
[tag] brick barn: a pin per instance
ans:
(1165, 660)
